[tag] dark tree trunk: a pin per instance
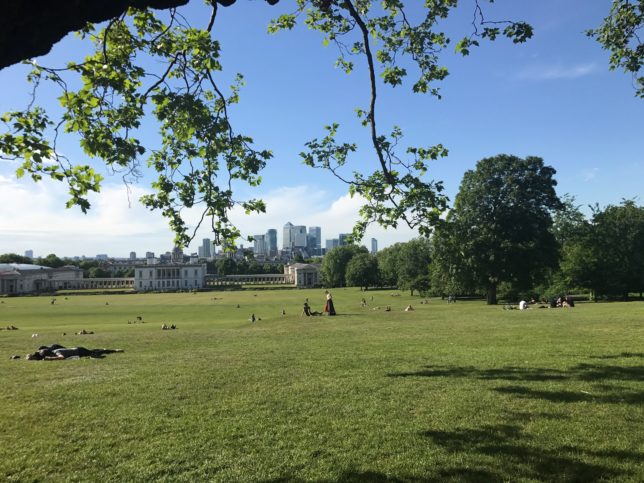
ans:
(29, 28)
(491, 294)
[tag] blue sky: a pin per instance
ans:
(552, 97)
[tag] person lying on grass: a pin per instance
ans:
(56, 352)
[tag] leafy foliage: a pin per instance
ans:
(335, 262)
(500, 227)
(362, 271)
(396, 191)
(619, 33)
(198, 157)
(148, 70)
(14, 258)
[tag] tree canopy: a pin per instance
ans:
(501, 221)
(157, 69)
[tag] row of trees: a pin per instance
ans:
(403, 265)
(246, 266)
(509, 234)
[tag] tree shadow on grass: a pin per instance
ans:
(516, 459)
(594, 373)
(617, 396)
(505, 373)
(623, 355)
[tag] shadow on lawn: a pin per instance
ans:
(594, 373)
(580, 372)
(516, 459)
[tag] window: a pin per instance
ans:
(140, 273)
(140, 284)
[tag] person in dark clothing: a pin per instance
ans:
(58, 352)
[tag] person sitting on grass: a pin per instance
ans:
(57, 352)
(409, 308)
(306, 310)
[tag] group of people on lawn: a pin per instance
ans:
(329, 308)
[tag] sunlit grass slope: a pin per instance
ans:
(461, 392)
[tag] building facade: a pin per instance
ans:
(165, 277)
(18, 278)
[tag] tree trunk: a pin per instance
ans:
(491, 294)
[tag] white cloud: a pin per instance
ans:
(589, 174)
(539, 72)
(33, 216)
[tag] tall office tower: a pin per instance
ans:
(374, 246)
(288, 237)
(149, 254)
(271, 238)
(331, 244)
(260, 245)
(342, 239)
(200, 252)
(299, 239)
(132, 255)
(29, 253)
(206, 248)
(315, 239)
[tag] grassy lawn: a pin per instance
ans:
(460, 392)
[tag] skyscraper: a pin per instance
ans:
(331, 244)
(288, 237)
(132, 255)
(29, 253)
(342, 239)
(260, 245)
(314, 242)
(271, 237)
(374, 246)
(299, 236)
(206, 245)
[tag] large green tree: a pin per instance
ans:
(362, 271)
(501, 223)
(414, 259)
(334, 265)
(613, 251)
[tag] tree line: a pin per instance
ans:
(509, 236)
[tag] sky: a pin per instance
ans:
(553, 97)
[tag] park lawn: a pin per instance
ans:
(461, 392)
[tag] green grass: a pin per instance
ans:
(460, 392)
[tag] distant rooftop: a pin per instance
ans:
(6, 267)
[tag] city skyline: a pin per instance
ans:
(207, 249)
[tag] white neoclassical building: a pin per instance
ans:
(303, 274)
(21, 278)
(163, 277)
